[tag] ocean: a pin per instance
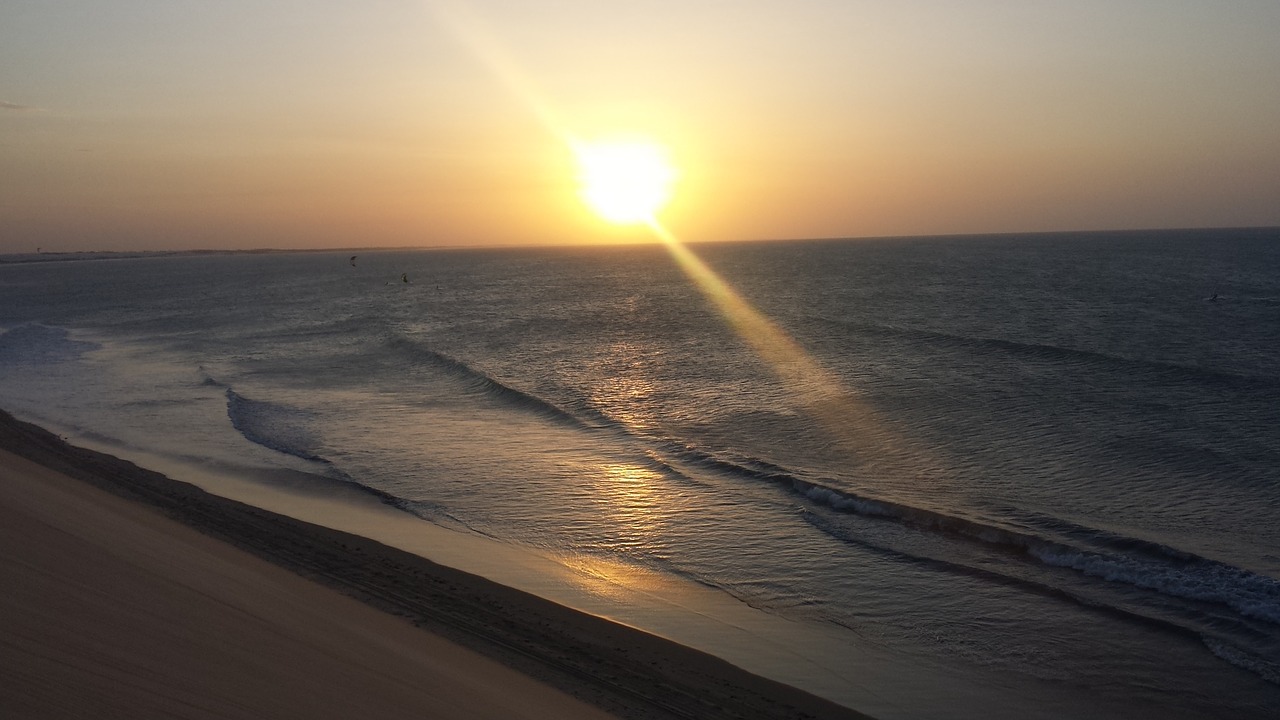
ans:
(1028, 475)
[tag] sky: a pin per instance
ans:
(176, 124)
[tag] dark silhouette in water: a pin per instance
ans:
(353, 260)
(404, 277)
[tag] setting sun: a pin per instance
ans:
(625, 181)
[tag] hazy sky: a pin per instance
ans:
(140, 124)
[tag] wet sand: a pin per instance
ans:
(124, 593)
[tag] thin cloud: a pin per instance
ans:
(16, 107)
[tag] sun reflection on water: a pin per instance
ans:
(632, 506)
(616, 580)
(622, 387)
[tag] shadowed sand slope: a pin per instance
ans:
(126, 594)
(110, 610)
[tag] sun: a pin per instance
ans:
(625, 181)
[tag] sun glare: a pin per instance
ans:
(625, 181)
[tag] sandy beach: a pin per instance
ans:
(127, 594)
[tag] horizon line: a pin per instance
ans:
(53, 255)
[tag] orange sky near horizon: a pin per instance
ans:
(142, 124)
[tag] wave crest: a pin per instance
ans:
(278, 427)
(476, 381)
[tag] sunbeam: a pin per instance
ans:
(846, 419)
(842, 415)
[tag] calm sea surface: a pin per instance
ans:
(1055, 457)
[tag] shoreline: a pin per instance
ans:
(621, 670)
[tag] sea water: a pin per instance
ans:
(1053, 459)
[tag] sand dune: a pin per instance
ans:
(111, 610)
